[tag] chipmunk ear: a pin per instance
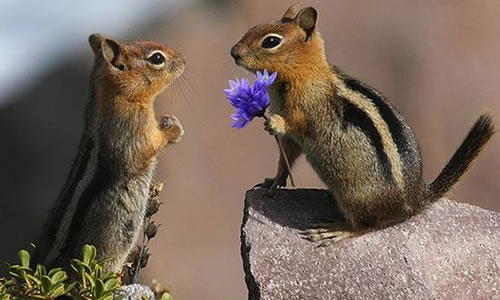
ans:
(108, 49)
(290, 13)
(306, 19)
(95, 41)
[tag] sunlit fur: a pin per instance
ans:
(355, 140)
(104, 199)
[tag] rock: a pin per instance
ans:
(449, 251)
(136, 292)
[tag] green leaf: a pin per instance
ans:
(109, 275)
(89, 279)
(24, 277)
(89, 253)
(21, 268)
(46, 285)
(24, 257)
(80, 267)
(111, 285)
(99, 289)
(58, 277)
(69, 288)
(37, 281)
(55, 270)
(166, 296)
(58, 291)
(19, 274)
(40, 271)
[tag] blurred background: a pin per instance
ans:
(437, 61)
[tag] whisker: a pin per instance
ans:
(141, 32)
(179, 90)
(184, 79)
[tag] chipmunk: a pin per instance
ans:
(104, 199)
(355, 140)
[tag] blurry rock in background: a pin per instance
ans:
(436, 61)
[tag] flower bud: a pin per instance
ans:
(153, 207)
(151, 230)
(155, 190)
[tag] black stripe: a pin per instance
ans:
(80, 165)
(103, 178)
(386, 112)
(360, 119)
(128, 232)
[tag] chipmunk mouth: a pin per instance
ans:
(239, 62)
(177, 66)
(176, 69)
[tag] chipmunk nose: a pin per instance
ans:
(235, 53)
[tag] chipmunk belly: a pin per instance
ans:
(344, 175)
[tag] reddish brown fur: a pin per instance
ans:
(297, 63)
(104, 200)
(355, 140)
(131, 93)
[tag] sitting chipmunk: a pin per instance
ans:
(355, 140)
(104, 200)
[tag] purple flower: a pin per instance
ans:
(265, 79)
(249, 101)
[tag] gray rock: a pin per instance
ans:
(450, 251)
(136, 292)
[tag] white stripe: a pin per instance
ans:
(388, 143)
(63, 231)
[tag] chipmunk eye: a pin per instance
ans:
(156, 58)
(271, 41)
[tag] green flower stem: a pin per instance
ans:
(285, 157)
(135, 279)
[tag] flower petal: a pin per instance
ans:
(250, 101)
(272, 78)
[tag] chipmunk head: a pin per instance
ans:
(138, 70)
(282, 46)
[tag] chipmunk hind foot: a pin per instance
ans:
(328, 234)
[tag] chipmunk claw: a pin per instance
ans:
(171, 125)
(266, 184)
(270, 184)
(327, 234)
(168, 121)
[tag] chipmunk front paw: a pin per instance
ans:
(172, 128)
(275, 125)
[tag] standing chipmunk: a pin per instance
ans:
(355, 140)
(104, 200)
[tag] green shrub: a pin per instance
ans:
(90, 281)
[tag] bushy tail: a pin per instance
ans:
(478, 136)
